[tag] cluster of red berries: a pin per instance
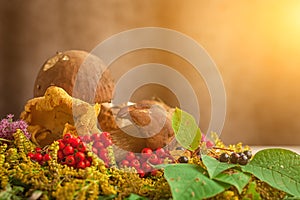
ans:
(73, 152)
(100, 142)
(39, 155)
(145, 161)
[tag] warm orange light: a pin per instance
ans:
(289, 23)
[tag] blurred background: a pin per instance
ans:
(255, 45)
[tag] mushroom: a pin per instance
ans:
(83, 76)
(79, 73)
(150, 126)
(49, 116)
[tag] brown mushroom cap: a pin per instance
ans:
(79, 73)
(147, 123)
(154, 121)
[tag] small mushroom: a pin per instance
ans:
(150, 126)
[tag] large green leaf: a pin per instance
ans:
(186, 130)
(234, 177)
(280, 168)
(215, 167)
(191, 182)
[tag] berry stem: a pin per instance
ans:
(225, 149)
(5, 140)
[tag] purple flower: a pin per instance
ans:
(10, 116)
(8, 127)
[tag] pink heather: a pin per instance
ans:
(8, 127)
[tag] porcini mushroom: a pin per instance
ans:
(79, 73)
(48, 116)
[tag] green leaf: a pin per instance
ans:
(215, 167)
(109, 197)
(251, 193)
(290, 198)
(191, 182)
(280, 168)
(186, 130)
(234, 177)
(135, 197)
(14, 193)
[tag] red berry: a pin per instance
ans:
(141, 159)
(81, 165)
(105, 139)
(103, 154)
(146, 152)
(70, 160)
(161, 160)
(141, 173)
(153, 159)
(86, 138)
(74, 142)
(124, 163)
(95, 150)
(31, 155)
(63, 161)
(68, 150)
(106, 161)
(154, 172)
(98, 145)
(81, 147)
(87, 163)
(160, 152)
(146, 167)
(61, 144)
(60, 155)
(103, 150)
(42, 162)
(90, 159)
(46, 157)
(105, 135)
(67, 136)
(38, 157)
(209, 144)
(130, 156)
(96, 137)
(108, 142)
(38, 149)
(79, 156)
(135, 163)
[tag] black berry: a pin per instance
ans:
(180, 148)
(248, 154)
(241, 154)
(224, 157)
(183, 159)
(234, 158)
(243, 159)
